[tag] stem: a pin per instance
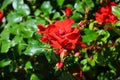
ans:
(47, 19)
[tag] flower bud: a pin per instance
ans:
(60, 65)
(68, 11)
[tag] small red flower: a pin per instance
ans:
(68, 11)
(105, 15)
(83, 45)
(60, 65)
(1, 16)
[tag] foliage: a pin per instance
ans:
(24, 55)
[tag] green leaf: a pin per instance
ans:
(31, 24)
(16, 3)
(46, 7)
(105, 35)
(5, 34)
(17, 39)
(76, 16)
(6, 44)
(24, 32)
(13, 17)
(100, 59)
(118, 24)
(60, 2)
(28, 65)
(14, 29)
(89, 35)
(89, 3)
(35, 48)
(86, 68)
(4, 62)
(79, 6)
(56, 15)
(116, 11)
(91, 25)
(50, 56)
(37, 12)
(6, 3)
(40, 21)
(34, 77)
(84, 61)
(23, 9)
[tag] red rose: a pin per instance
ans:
(60, 65)
(105, 15)
(68, 11)
(1, 16)
(62, 35)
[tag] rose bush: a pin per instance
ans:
(59, 39)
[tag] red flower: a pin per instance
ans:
(105, 15)
(60, 65)
(61, 35)
(1, 16)
(68, 11)
(83, 45)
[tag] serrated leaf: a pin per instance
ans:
(6, 44)
(28, 65)
(34, 77)
(6, 3)
(4, 62)
(46, 7)
(116, 11)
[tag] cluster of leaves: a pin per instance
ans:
(24, 57)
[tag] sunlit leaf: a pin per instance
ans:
(4, 62)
